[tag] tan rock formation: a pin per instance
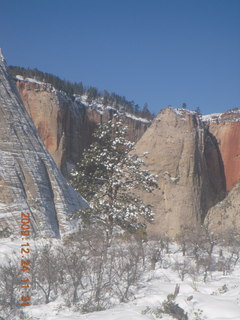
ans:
(190, 174)
(29, 179)
(224, 217)
(65, 126)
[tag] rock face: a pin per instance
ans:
(29, 178)
(225, 216)
(226, 129)
(66, 126)
(195, 158)
(186, 158)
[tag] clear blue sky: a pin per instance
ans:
(163, 52)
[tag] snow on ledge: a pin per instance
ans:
(211, 117)
(97, 105)
(21, 78)
(228, 116)
(131, 116)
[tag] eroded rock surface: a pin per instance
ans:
(226, 129)
(66, 126)
(186, 158)
(196, 159)
(29, 178)
(224, 217)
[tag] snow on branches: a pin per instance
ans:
(110, 176)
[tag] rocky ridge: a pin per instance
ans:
(29, 178)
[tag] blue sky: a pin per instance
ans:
(163, 52)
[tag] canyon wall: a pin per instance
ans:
(226, 129)
(225, 215)
(66, 126)
(29, 179)
(196, 158)
(186, 159)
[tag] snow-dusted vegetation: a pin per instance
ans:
(109, 176)
(82, 278)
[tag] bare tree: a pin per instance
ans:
(10, 282)
(73, 263)
(184, 268)
(46, 274)
(127, 268)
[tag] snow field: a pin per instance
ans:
(217, 299)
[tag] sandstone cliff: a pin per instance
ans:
(195, 159)
(66, 126)
(226, 129)
(29, 178)
(225, 216)
(186, 158)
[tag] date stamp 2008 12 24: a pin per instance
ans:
(25, 261)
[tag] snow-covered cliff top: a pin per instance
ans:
(83, 99)
(228, 116)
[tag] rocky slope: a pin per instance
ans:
(186, 158)
(66, 126)
(29, 178)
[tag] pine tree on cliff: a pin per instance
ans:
(184, 105)
(109, 176)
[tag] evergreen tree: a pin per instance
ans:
(92, 93)
(198, 111)
(106, 98)
(110, 176)
(146, 113)
(184, 106)
(136, 109)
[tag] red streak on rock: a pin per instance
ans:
(228, 137)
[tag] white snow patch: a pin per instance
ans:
(211, 117)
(131, 116)
(18, 77)
(21, 78)
(228, 116)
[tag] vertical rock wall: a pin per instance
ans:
(186, 159)
(226, 129)
(65, 126)
(224, 217)
(29, 178)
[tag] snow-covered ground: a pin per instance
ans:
(217, 299)
(208, 300)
